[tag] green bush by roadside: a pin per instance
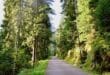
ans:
(39, 69)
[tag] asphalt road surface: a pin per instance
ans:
(59, 67)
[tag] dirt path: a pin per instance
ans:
(59, 67)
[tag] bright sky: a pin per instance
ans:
(55, 19)
(1, 11)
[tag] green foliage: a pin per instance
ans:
(100, 54)
(84, 20)
(89, 20)
(5, 60)
(67, 31)
(25, 29)
(93, 3)
(26, 33)
(102, 15)
(38, 69)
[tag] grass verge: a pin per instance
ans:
(39, 69)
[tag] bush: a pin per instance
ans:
(39, 69)
(100, 54)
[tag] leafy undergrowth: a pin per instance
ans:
(107, 73)
(93, 72)
(39, 69)
(86, 69)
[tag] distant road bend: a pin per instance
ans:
(59, 67)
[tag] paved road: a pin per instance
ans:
(59, 67)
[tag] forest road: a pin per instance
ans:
(59, 67)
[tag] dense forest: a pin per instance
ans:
(25, 35)
(82, 39)
(84, 35)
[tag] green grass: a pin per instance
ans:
(39, 69)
